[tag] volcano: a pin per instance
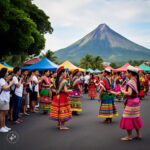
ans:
(104, 42)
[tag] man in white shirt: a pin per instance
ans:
(34, 90)
(86, 82)
(17, 91)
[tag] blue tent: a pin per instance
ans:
(90, 70)
(44, 64)
(5, 64)
(97, 71)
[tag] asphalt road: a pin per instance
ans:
(86, 132)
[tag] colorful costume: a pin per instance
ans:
(74, 98)
(108, 106)
(131, 115)
(60, 107)
(45, 95)
(142, 80)
(92, 88)
(118, 86)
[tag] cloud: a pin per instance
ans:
(72, 19)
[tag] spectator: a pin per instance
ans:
(86, 82)
(17, 95)
(34, 90)
(4, 99)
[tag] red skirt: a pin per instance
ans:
(60, 108)
(92, 91)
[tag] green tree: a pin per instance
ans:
(50, 55)
(22, 28)
(113, 65)
(96, 63)
(89, 61)
(136, 62)
(86, 62)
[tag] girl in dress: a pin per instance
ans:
(106, 96)
(131, 115)
(60, 107)
(75, 96)
(45, 93)
(92, 93)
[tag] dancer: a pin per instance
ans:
(108, 107)
(74, 98)
(142, 81)
(60, 107)
(45, 93)
(131, 115)
(118, 83)
(92, 93)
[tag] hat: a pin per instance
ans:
(75, 71)
(131, 68)
(108, 70)
(59, 69)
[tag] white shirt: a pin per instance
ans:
(81, 78)
(86, 78)
(5, 95)
(34, 78)
(18, 91)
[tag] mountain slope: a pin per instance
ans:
(106, 43)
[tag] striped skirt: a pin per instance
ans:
(107, 107)
(45, 100)
(131, 115)
(92, 91)
(75, 101)
(60, 108)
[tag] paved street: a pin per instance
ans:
(86, 133)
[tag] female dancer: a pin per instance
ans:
(60, 107)
(131, 115)
(118, 83)
(45, 93)
(92, 87)
(74, 98)
(108, 107)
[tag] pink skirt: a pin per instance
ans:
(131, 123)
(117, 88)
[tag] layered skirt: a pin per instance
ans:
(45, 100)
(92, 91)
(131, 115)
(108, 106)
(117, 89)
(75, 101)
(60, 108)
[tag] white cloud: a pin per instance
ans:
(85, 15)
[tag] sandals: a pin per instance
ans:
(16, 122)
(26, 114)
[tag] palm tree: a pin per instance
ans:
(86, 62)
(50, 55)
(96, 63)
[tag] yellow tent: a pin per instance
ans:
(2, 66)
(71, 67)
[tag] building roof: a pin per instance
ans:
(31, 61)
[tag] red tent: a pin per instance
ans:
(122, 69)
(139, 69)
(108, 67)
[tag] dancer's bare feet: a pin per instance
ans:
(127, 138)
(63, 128)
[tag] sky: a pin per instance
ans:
(73, 19)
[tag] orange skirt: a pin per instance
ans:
(60, 108)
